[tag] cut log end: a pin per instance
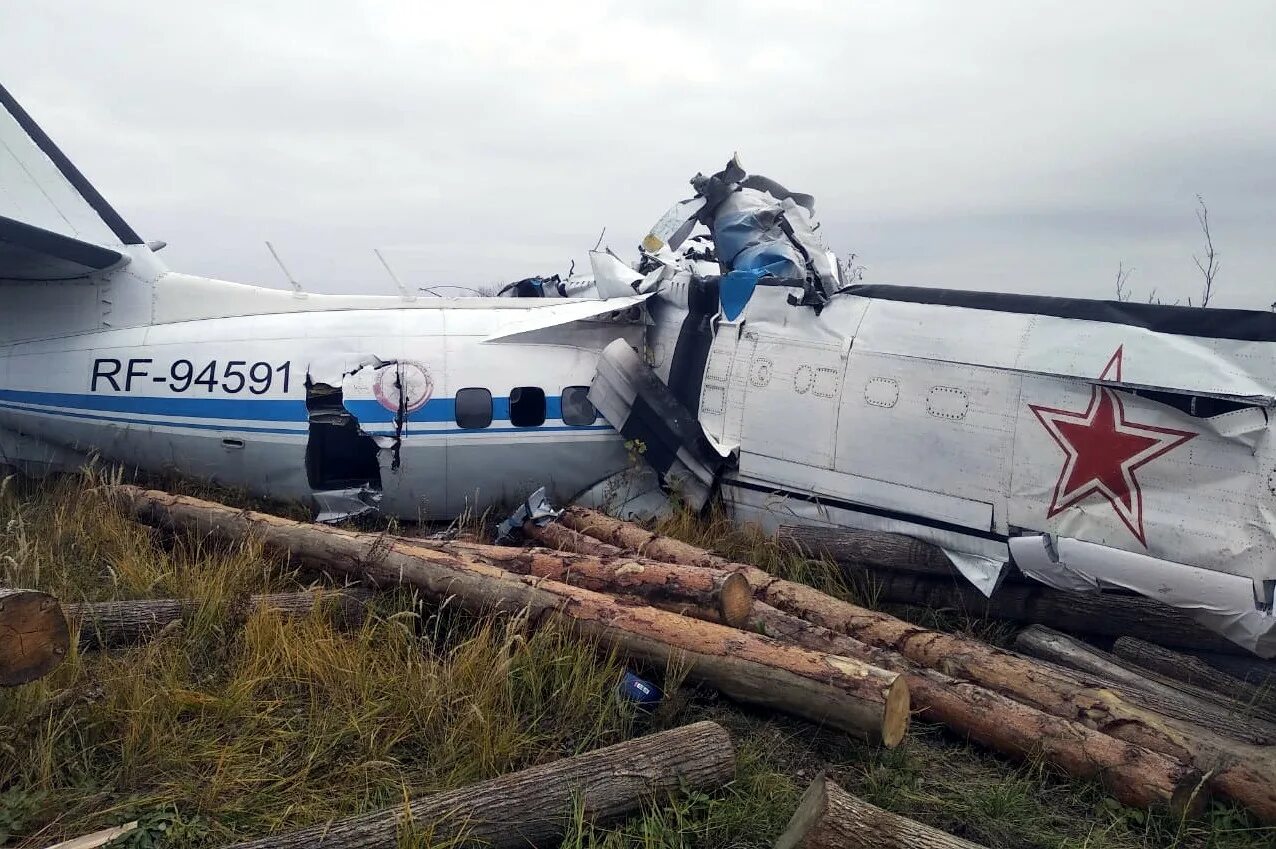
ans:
(830, 818)
(735, 600)
(810, 810)
(34, 637)
(898, 712)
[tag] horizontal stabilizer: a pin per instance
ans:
(54, 225)
(30, 253)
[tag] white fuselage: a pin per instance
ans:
(226, 398)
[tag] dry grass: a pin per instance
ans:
(227, 728)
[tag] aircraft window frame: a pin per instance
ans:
(467, 393)
(527, 411)
(571, 410)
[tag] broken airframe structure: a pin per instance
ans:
(1093, 444)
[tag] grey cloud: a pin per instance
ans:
(989, 145)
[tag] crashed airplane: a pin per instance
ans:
(1094, 444)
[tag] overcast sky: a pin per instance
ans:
(1021, 146)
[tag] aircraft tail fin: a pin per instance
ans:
(53, 224)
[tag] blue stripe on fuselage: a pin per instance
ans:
(230, 410)
(257, 409)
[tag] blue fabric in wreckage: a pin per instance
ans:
(748, 238)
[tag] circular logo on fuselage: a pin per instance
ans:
(408, 380)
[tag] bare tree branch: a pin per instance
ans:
(851, 271)
(1122, 275)
(1209, 268)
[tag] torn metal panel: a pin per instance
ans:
(536, 509)
(674, 226)
(985, 573)
(1131, 472)
(762, 229)
(635, 402)
(1238, 608)
(634, 493)
(383, 395)
(338, 505)
(612, 277)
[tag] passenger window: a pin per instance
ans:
(577, 410)
(473, 408)
(527, 406)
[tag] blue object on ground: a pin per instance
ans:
(637, 690)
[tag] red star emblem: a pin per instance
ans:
(1103, 450)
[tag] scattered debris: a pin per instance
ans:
(97, 838)
(536, 510)
(638, 690)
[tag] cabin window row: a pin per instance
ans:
(528, 407)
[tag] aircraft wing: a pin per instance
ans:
(564, 311)
(53, 224)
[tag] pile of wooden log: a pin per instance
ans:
(786, 646)
(1146, 750)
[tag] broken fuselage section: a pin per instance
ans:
(1095, 445)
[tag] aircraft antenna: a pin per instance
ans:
(296, 287)
(403, 290)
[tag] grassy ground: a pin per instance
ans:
(230, 727)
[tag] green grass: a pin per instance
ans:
(234, 726)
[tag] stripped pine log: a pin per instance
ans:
(534, 807)
(629, 537)
(1196, 673)
(710, 594)
(837, 691)
(1145, 686)
(563, 538)
(1135, 776)
(34, 637)
(1237, 770)
(868, 548)
(828, 817)
(723, 597)
(106, 624)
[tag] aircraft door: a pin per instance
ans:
(722, 395)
